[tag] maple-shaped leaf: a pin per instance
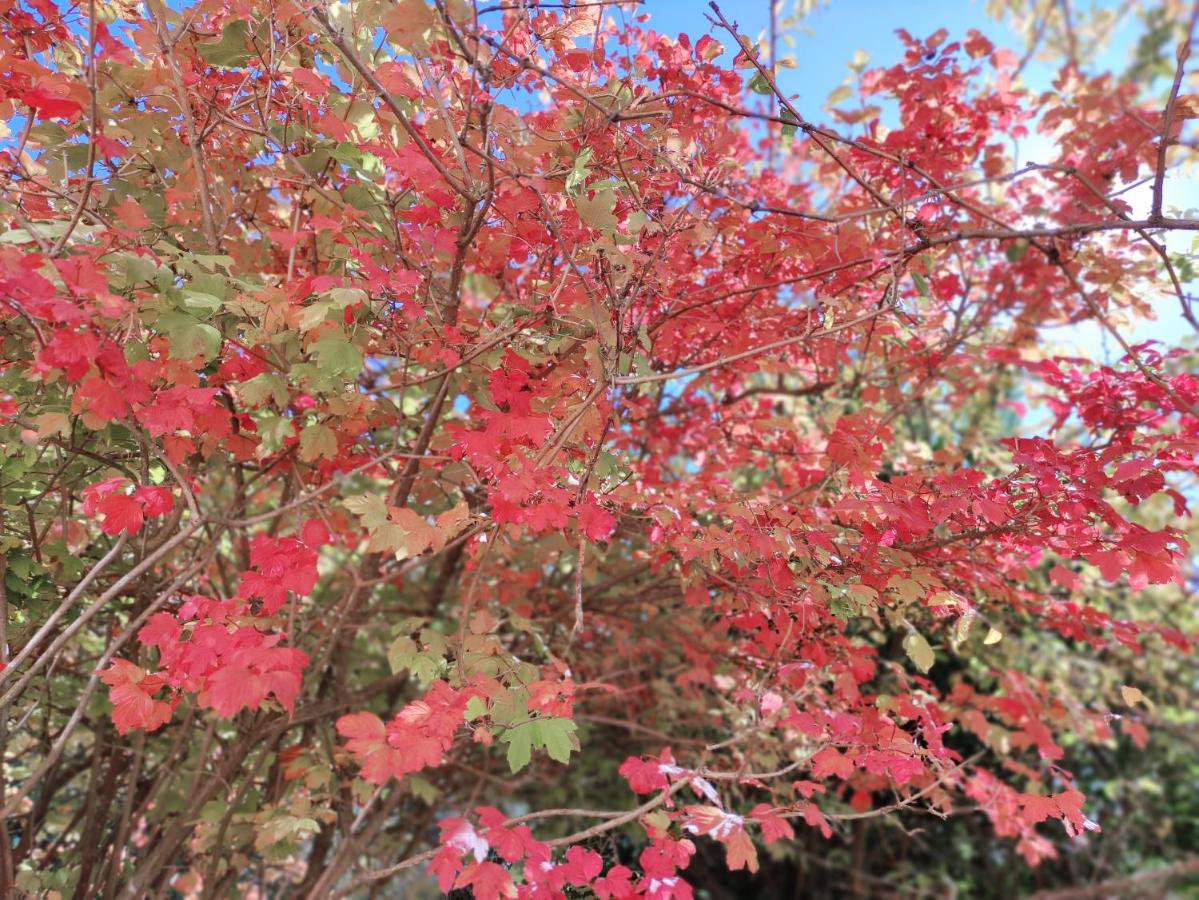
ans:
(1037, 808)
(101, 398)
(121, 513)
(665, 855)
(507, 843)
(166, 418)
(162, 630)
(419, 535)
(597, 523)
(445, 866)
(815, 818)
(317, 441)
(647, 775)
(740, 852)
(93, 494)
(368, 744)
(774, 827)
(52, 104)
(1070, 804)
(155, 501)
(245, 677)
(511, 843)
(830, 761)
(234, 688)
(582, 866)
(72, 351)
(543, 516)
(617, 883)
(131, 690)
(487, 881)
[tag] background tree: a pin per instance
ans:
(502, 442)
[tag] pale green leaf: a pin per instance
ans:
(557, 737)
(336, 356)
(370, 508)
(520, 745)
(919, 652)
(317, 441)
(230, 51)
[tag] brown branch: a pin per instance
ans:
(614, 820)
(1184, 52)
(746, 354)
(93, 132)
(158, 13)
(351, 55)
(1124, 887)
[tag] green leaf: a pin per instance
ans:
(261, 388)
(401, 654)
(598, 210)
(475, 709)
(422, 790)
(213, 811)
(386, 535)
(370, 508)
(425, 668)
(557, 736)
(274, 431)
(919, 652)
(230, 51)
(314, 314)
(337, 357)
(317, 441)
(520, 745)
(579, 172)
(1016, 249)
(134, 269)
(189, 336)
(200, 304)
(389, 538)
(759, 85)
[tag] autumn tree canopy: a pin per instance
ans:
(505, 442)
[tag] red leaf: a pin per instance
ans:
(131, 691)
(487, 881)
(616, 884)
(368, 743)
(121, 513)
(815, 818)
(830, 761)
(774, 827)
(643, 776)
(582, 865)
(740, 851)
(155, 501)
(597, 523)
(1035, 808)
(51, 104)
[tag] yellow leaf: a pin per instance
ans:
(419, 534)
(840, 95)
(1132, 696)
(993, 636)
(452, 521)
(919, 651)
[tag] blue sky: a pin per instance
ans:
(833, 31)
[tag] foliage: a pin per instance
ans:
(505, 442)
